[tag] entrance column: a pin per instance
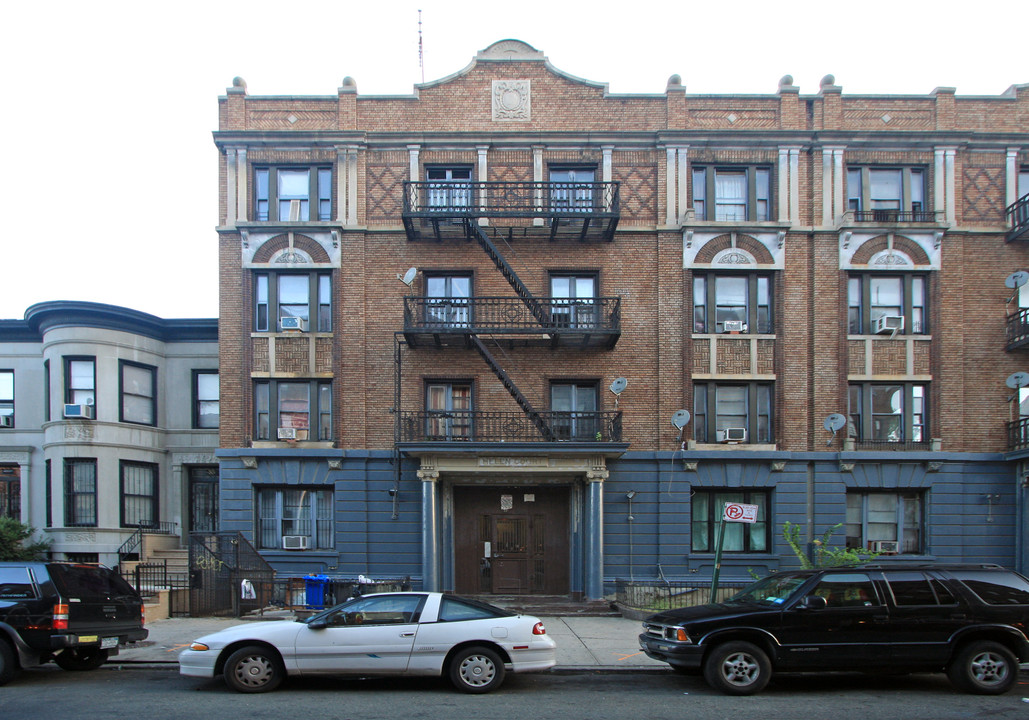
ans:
(595, 532)
(430, 533)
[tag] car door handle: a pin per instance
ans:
(407, 634)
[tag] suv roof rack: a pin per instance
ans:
(924, 564)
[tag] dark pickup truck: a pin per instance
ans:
(970, 621)
(76, 615)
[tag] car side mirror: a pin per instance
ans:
(813, 602)
(318, 624)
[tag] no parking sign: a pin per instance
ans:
(738, 512)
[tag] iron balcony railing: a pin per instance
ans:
(1018, 219)
(461, 426)
(132, 545)
(894, 445)
(599, 317)
(1018, 434)
(896, 216)
(1018, 329)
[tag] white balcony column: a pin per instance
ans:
(1011, 177)
(794, 185)
(840, 205)
(430, 537)
(670, 189)
(684, 174)
(241, 184)
(951, 199)
(594, 532)
(939, 193)
(537, 179)
(606, 173)
(346, 184)
(483, 177)
(230, 186)
(832, 184)
(352, 158)
(784, 175)
(413, 173)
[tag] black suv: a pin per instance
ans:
(969, 621)
(75, 615)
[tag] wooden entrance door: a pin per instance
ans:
(511, 540)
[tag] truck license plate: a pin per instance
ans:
(108, 642)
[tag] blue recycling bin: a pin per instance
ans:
(314, 586)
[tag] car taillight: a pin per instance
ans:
(60, 621)
(142, 614)
(538, 629)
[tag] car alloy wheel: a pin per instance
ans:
(476, 670)
(984, 668)
(253, 670)
(737, 668)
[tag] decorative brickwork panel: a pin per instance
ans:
(637, 173)
(291, 117)
(301, 242)
(856, 357)
(922, 358)
(323, 355)
(881, 243)
(983, 194)
(724, 242)
(887, 118)
(701, 356)
(259, 347)
(733, 357)
(766, 357)
(889, 357)
(385, 176)
(292, 355)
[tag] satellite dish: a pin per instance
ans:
(680, 418)
(618, 385)
(834, 422)
(1017, 380)
(408, 277)
(1016, 279)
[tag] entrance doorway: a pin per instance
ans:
(203, 498)
(511, 540)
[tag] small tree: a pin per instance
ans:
(824, 556)
(14, 542)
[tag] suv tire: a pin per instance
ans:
(8, 663)
(737, 668)
(81, 659)
(983, 668)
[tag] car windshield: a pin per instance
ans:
(773, 590)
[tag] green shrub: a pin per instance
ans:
(15, 545)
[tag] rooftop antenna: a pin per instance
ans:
(421, 51)
(833, 424)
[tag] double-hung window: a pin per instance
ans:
(448, 408)
(887, 194)
(295, 518)
(574, 406)
(288, 194)
(732, 412)
(206, 403)
(888, 412)
(885, 521)
(707, 509)
(574, 300)
(732, 194)
(138, 393)
(900, 299)
(138, 494)
(732, 303)
(447, 300)
(289, 301)
(80, 492)
(10, 492)
(293, 410)
(573, 189)
(80, 380)
(449, 188)
(6, 399)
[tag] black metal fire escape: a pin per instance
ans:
(509, 274)
(545, 430)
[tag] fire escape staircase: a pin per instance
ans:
(545, 430)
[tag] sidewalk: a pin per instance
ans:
(583, 643)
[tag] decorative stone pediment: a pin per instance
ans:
(510, 50)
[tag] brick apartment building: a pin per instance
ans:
(514, 333)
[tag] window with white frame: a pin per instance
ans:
(288, 301)
(138, 494)
(901, 299)
(80, 380)
(888, 412)
(732, 194)
(725, 302)
(6, 399)
(138, 393)
(887, 194)
(206, 403)
(707, 508)
(293, 410)
(727, 412)
(284, 515)
(891, 522)
(292, 194)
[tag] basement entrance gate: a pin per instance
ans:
(511, 540)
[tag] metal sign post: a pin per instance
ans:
(733, 512)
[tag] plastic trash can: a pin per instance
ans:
(314, 586)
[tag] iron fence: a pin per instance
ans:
(511, 199)
(481, 426)
(658, 596)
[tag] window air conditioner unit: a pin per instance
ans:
(80, 412)
(6, 421)
(294, 542)
(888, 324)
(884, 547)
(732, 435)
(730, 326)
(289, 324)
(287, 434)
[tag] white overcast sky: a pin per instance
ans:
(109, 173)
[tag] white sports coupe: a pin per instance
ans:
(408, 633)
